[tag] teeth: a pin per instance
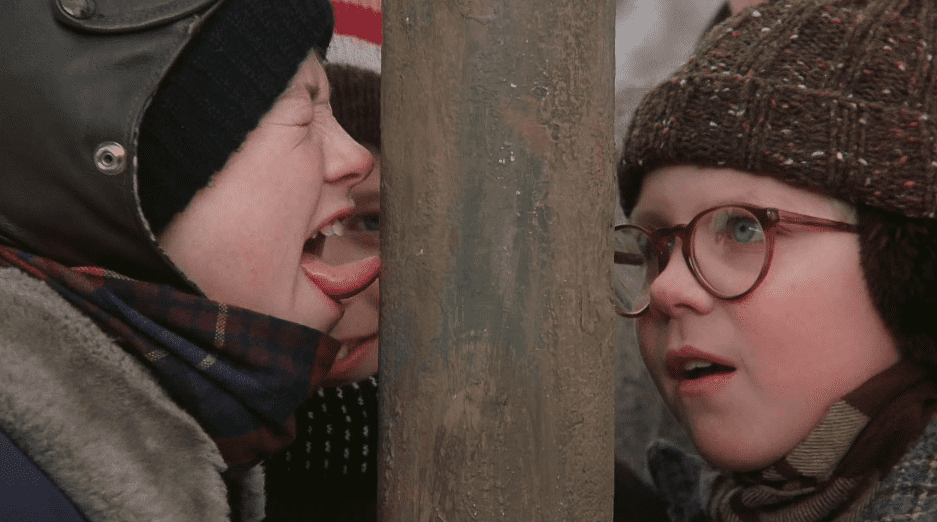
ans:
(695, 365)
(342, 352)
(334, 228)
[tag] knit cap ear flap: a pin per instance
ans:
(899, 260)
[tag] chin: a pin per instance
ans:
(731, 454)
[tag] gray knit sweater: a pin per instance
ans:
(94, 420)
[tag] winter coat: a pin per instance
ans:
(86, 433)
(90, 417)
(907, 492)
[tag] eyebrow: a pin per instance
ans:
(649, 219)
(654, 219)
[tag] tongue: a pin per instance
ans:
(343, 281)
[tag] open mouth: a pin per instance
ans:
(337, 281)
(698, 369)
(691, 364)
(314, 246)
(356, 360)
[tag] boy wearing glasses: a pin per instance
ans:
(780, 260)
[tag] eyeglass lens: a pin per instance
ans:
(634, 260)
(727, 247)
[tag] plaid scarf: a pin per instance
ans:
(832, 474)
(241, 374)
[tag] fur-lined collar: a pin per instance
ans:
(93, 419)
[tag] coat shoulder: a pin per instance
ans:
(94, 419)
(909, 491)
(682, 480)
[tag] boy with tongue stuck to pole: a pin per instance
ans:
(168, 184)
(780, 263)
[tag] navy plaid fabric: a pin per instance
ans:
(241, 374)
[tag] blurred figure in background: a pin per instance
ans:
(330, 472)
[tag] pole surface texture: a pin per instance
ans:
(497, 326)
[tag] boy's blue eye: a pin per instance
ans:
(746, 230)
(738, 228)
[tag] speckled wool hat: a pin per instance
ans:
(833, 95)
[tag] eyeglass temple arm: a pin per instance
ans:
(625, 258)
(810, 221)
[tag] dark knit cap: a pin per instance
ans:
(834, 96)
(223, 82)
(356, 101)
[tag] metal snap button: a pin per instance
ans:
(79, 9)
(110, 158)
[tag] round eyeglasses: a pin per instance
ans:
(727, 248)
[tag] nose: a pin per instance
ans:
(347, 162)
(676, 289)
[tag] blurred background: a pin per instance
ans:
(652, 39)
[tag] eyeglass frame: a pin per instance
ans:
(768, 217)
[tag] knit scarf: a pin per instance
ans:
(832, 474)
(241, 374)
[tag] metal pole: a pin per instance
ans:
(497, 329)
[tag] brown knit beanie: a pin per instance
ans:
(356, 101)
(834, 96)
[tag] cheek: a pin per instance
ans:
(252, 273)
(814, 333)
(651, 344)
(786, 357)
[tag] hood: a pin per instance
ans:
(77, 76)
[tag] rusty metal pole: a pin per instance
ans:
(497, 329)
